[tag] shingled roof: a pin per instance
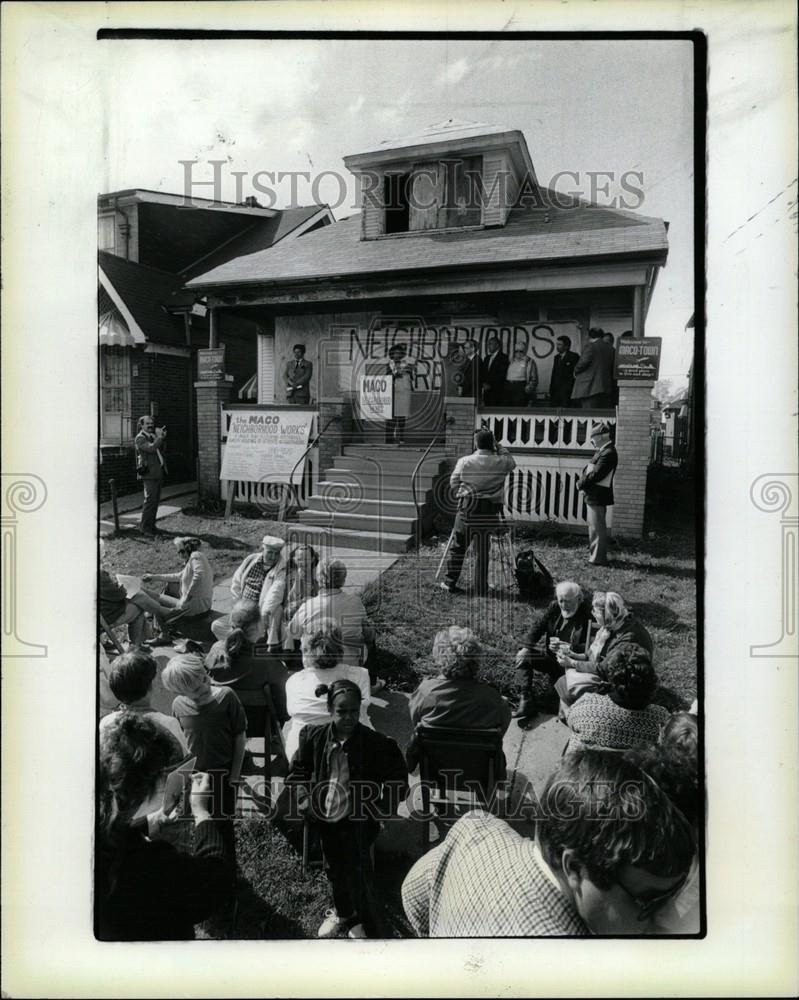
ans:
(144, 290)
(532, 235)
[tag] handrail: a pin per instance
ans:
(415, 472)
(310, 446)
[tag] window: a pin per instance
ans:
(116, 424)
(441, 194)
(105, 233)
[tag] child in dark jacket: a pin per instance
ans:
(348, 778)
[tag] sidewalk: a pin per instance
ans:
(129, 506)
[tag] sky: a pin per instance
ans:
(301, 106)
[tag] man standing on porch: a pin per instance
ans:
(298, 377)
(593, 374)
(494, 371)
(479, 484)
(596, 482)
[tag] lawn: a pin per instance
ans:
(655, 576)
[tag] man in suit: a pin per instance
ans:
(494, 370)
(470, 373)
(150, 469)
(596, 483)
(593, 374)
(562, 379)
(297, 374)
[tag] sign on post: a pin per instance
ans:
(263, 446)
(211, 364)
(376, 396)
(637, 359)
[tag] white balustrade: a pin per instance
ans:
(536, 430)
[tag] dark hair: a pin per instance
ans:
(629, 672)
(341, 686)
(242, 616)
(627, 333)
(397, 347)
(134, 753)
(566, 340)
(595, 332)
(677, 773)
(132, 675)
(610, 814)
(484, 438)
(299, 347)
(606, 334)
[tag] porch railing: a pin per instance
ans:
(550, 447)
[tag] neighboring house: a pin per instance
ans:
(150, 329)
(675, 426)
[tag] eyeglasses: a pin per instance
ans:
(646, 907)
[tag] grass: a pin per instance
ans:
(655, 575)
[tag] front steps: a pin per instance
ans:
(366, 500)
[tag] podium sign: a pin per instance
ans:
(376, 396)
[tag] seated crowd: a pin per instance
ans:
(614, 849)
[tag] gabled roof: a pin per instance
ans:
(261, 234)
(532, 235)
(143, 290)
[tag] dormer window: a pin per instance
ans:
(438, 194)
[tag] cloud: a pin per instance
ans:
(453, 72)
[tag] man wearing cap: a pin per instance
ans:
(596, 483)
(298, 374)
(479, 484)
(261, 578)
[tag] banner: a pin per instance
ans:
(265, 445)
(376, 396)
(637, 359)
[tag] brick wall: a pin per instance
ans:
(339, 431)
(459, 421)
(119, 464)
(170, 387)
(632, 444)
(210, 395)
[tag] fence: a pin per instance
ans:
(265, 494)
(550, 448)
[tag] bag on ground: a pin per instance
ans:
(534, 579)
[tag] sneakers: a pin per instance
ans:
(333, 925)
(357, 932)
(451, 588)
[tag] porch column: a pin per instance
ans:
(338, 410)
(210, 396)
(459, 422)
(632, 444)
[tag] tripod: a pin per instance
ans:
(501, 554)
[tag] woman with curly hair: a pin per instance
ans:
(146, 889)
(455, 698)
(619, 715)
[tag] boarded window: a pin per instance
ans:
(461, 205)
(439, 194)
(395, 197)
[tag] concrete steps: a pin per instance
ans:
(331, 537)
(366, 498)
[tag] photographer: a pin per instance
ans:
(150, 469)
(479, 483)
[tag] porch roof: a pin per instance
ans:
(535, 235)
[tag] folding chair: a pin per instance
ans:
(458, 760)
(105, 627)
(260, 711)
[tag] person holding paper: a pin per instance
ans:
(402, 372)
(195, 583)
(146, 889)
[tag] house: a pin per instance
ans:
(456, 240)
(150, 244)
